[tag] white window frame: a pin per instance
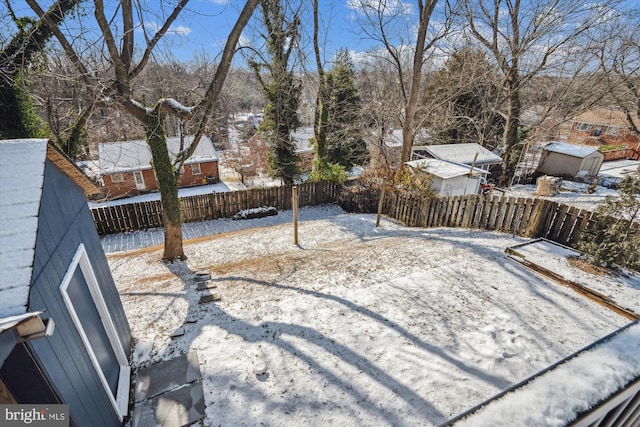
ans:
(138, 178)
(117, 177)
(612, 130)
(583, 126)
(120, 402)
(195, 169)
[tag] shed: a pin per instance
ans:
(449, 178)
(64, 336)
(570, 160)
(467, 154)
(126, 168)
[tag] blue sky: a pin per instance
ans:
(204, 25)
(208, 22)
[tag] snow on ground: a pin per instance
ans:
(193, 230)
(623, 287)
(572, 194)
(357, 325)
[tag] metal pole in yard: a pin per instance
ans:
(294, 202)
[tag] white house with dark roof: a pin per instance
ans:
(467, 154)
(126, 170)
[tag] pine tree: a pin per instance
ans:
(614, 238)
(345, 145)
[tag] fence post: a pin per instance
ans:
(294, 202)
(380, 203)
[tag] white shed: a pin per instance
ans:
(570, 160)
(449, 178)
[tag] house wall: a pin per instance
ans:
(456, 186)
(128, 186)
(64, 223)
(592, 164)
(608, 135)
(558, 164)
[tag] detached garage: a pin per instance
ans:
(570, 160)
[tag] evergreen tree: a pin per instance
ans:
(460, 101)
(614, 238)
(282, 90)
(345, 145)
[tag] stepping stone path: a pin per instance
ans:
(203, 283)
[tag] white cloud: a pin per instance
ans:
(179, 30)
(389, 7)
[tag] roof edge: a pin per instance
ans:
(69, 168)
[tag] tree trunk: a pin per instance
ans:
(425, 11)
(168, 186)
(511, 127)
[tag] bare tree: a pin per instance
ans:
(117, 36)
(388, 22)
(618, 53)
(530, 39)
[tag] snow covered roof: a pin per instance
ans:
(603, 118)
(22, 166)
(442, 168)
(129, 156)
(461, 153)
(557, 396)
(572, 150)
(21, 180)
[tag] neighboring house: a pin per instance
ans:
(603, 127)
(126, 166)
(570, 160)
(64, 336)
(449, 178)
(468, 154)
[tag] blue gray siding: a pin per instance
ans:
(64, 223)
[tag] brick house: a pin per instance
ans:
(603, 127)
(125, 167)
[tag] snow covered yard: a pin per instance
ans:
(357, 325)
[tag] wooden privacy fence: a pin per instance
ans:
(518, 216)
(525, 217)
(144, 215)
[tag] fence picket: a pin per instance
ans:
(524, 217)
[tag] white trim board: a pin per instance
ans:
(121, 400)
